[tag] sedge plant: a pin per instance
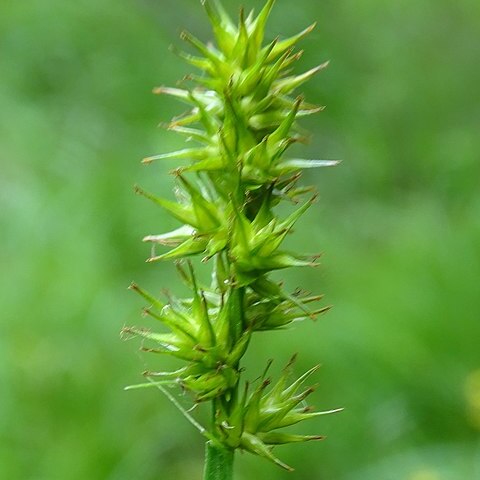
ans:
(242, 119)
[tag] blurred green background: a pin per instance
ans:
(399, 222)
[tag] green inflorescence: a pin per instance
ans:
(242, 118)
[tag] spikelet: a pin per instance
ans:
(242, 119)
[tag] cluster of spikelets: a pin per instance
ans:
(242, 118)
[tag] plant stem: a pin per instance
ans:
(218, 463)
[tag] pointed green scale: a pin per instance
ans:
(294, 417)
(235, 305)
(243, 232)
(212, 83)
(170, 344)
(224, 29)
(147, 296)
(260, 104)
(172, 238)
(291, 59)
(277, 320)
(219, 276)
(205, 332)
(222, 328)
(241, 50)
(236, 121)
(263, 237)
(254, 445)
(192, 134)
(252, 415)
(272, 72)
(235, 419)
(192, 246)
(207, 382)
(213, 56)
(283, 229)
(252, 76)
(281, 133)
(175, 374)
(289, 84)
(188, 355)
(182, 213)
(274, 394)
(151, 384)
(288, 43)
(278, 261)
(208, 165)
(231, 126)
(216, 244)
(275, 411)
(206, 213)
(257, 29)
(239, 349)
(291, 402)
(174, 92)
(205, 115)
(273, 416)
(265, 214)
(201, 63)
(277, 438)
(162, 338)
(176, 323)
(268, 120)
(287, 166)
(258, 156)
(293, 388)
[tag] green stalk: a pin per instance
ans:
(218, 463)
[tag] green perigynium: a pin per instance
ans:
(242, 119)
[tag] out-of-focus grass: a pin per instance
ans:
(399, 223)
